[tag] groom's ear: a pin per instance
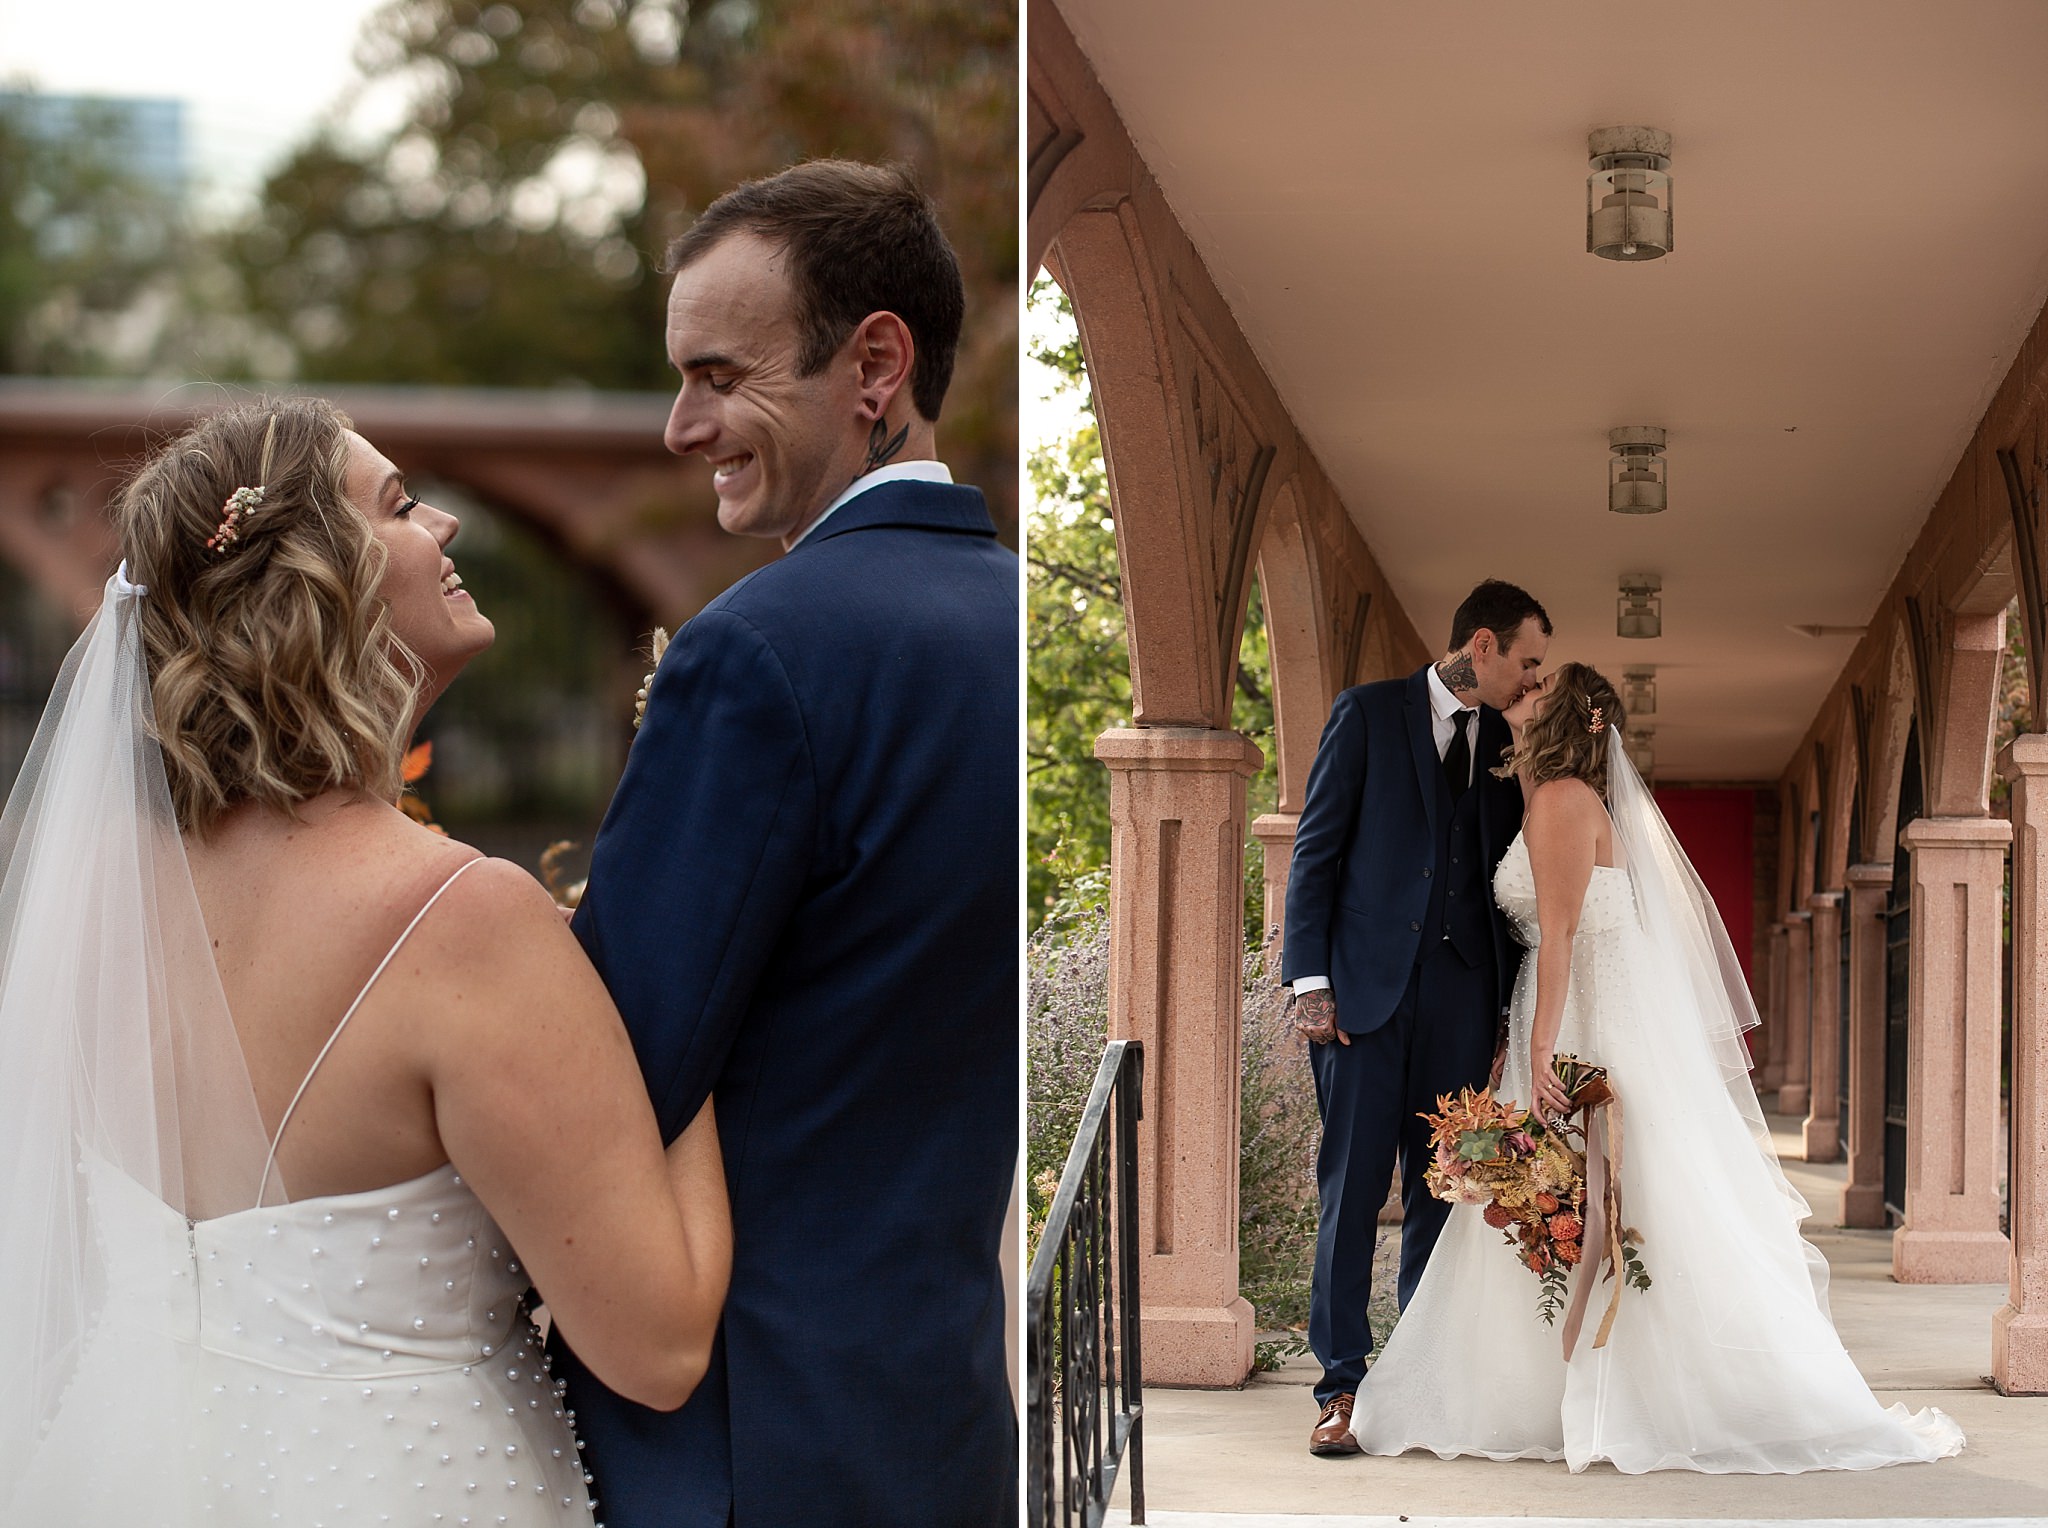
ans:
(883, 354)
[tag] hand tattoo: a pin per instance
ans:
(1315, 1016)
(882, 445)
(1457, 673)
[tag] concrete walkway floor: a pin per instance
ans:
(1239, 1458)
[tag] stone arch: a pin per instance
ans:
(1074, 156)
(1844, 788)
(1971, 652)
(1294, 626)
(1185, 585)
(1811, 822)
(1892, 724)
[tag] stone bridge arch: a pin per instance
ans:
(586, 471)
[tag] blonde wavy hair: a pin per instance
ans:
(274, 672)
(1559, 743)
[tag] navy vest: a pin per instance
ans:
(1458, 910)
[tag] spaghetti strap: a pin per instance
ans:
(389, 955)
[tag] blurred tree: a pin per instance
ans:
(80, 233)
(507, 233)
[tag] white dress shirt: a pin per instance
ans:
(896, 472)
(1444, 711)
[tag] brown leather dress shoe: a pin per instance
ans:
(1332, 1436)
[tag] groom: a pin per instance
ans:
(1400, 962)
(804, 896)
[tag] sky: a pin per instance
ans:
(256, 74)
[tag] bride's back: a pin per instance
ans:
(299, 618)
(300, 914)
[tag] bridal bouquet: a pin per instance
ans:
(1531, 1178)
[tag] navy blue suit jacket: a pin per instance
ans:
(804, 896)
(1366, 845)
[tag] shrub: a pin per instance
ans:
(1066, 1026)
(1278, 1132)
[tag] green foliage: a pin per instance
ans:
(470, 248)
(1078, 682)
(79, 235)
(1251, 713)
(530, 743)
(2013, 708)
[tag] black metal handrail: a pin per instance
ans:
(1082, 1373)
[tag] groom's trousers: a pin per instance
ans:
(1372, 1094)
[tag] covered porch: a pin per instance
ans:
(1229, 1459)
(1344, 337)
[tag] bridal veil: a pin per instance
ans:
(126, 1109)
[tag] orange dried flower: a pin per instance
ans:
(1498, 1217)
(418, 760)
(1547, 1203)
(1568, 1253)
(1566, 1227)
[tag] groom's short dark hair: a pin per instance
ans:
(1501, 608)
(861, 239)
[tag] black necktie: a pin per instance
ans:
(1458, 757)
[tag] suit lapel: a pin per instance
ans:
(1422, 740)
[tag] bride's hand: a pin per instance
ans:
(1552, 1102)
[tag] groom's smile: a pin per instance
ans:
(781, 441)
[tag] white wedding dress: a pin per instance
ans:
(338, 1360)
(1729, 1362)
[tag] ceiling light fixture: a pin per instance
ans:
(1640, 613)
(1635, 472)
(1639, 692)
(1628, 193)
(1642, 750)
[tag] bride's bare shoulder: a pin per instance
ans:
(1564, 803)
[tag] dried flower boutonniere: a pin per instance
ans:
(658, 646)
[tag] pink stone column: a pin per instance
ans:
(1821, 1134)
(1798, 1014)
(1275, 833)
(1950, 1234)
(1771, 1074)
(1863, 1194)
(2019, 1332)
(1177, 816)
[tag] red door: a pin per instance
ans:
(1717, 829)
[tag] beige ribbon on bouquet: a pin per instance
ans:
(1603, 1189)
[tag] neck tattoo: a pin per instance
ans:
(1457, 673)
(882, 445)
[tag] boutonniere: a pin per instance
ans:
(657, 646)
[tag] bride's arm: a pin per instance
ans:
(541, 1106)
(1562, 829)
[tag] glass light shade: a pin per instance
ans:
(1628, 194)
(1639, 692)
(1634, 489)
(1639, 615)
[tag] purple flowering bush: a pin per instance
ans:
(1066, 1026)
(1278, 1132)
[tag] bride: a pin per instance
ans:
(299, 1098)
(1729, 1361)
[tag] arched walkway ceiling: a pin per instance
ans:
(1391, 197)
